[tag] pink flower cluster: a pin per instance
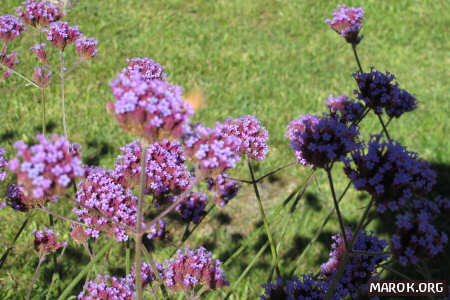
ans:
(147, 67)
(3, 164)
(347, 22)
(9, 61)
(192, 269)
(85, 47)
(107, 287)
(46, 241)
(165, 168)
(60, 34)
(152, 109)
(46, 169)
(40, 53)
(39, 13)
(105, 205)
(42, 77)
(252, 134)
(10, 28)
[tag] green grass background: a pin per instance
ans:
(271, 59)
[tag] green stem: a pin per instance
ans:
(5, 255)
(22, 76)
(41, 260)
(384, 127)
(62, 96)
(336, 206)
(357, 58)
(127, 258)
(151, 261)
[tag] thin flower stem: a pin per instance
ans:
(263, 216)
(61, 216)
(5, 255)
(22, 76)
(357, 58)
(138, 235)
(395, 272)
(336, 206)
(384, 127)
(127, 257)
(265, 175)
(41, 260)
(43, 111)
(63, 95)
(15, 88)
(151, 261)
(358, 252)
(74, 66)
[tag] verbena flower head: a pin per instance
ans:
(166, 172)
(344, 109)
(147, 67)
(157, 230)
(46, 241)
(319, 141)
(107, 287)
(360, 268)
(252, 134)
(85, 47)
(389, 173)
(379, 91)
(60, 34)
(147, 274)
(42, 77)
(152, 109)
(347, 22)
(223, 188)
(41, 54)
(8, 60)
(191, 269)
(79, 235)
(3, 164)
(305, 288)
(192, 207)
(213, 151)
(46, 169)
(417, 236)
(10, 28)
(39, 13)
(105, 205)
(15, 198)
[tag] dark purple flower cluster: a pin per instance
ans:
(319, 141)
(42, 77)
(46, 241)
(10, 28)
(192, 208)
(105, 205)
(379, 92)
(344, 109)
(46, 169)
(152, 109)
(107, 287)
(192, 269)
(347, 22)
(147, 67)
(157, 230)
(389, 173)
(223, 188)
(15, 198)
(360, 268)
(252, 134)
(165, 168)
(305, 288)
(147, 274)
(85, 47)
(213, 151)
(417, 236)
(40, 53)
(9, 61)
(3, 164)
(39, 13)
(60, 34)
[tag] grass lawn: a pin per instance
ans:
(271, 59)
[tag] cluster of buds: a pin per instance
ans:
(10, 28)
(41, 54)
(46, 241)
(107, 287)
(85, 47)
(306, 288)
(39, 13)
(15, 198)
(42, 77)
(8, 61)
(347, 22)
(60, 34)
(46, 169)
(157, 230)
(344, 109)
(319, 141)
(192, 208)
(147, 67)
(223, 188)
(148, 276)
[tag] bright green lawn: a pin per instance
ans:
(272, 59)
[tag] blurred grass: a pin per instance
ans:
(271, 59)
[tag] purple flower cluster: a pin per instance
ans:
(85, 47)
(213, 151)
(9, 61)
(223, 188)
(46, 241)
(107, 287)
(40, 53)
(147, 67)
(306, 288)
(152, 109)
(389, 173)
(379, 91)
(39, 13)
(344, 109)
(147, 274)
(192, 269)
(157, 230)
(347, 22)
(417, 236)
(60, 34)
(42, 77)
(105, 205)
(10, 28)
(46, 169)
(192, 208)
(319, 141)
(3, 164)
(165, 168)
(15, 198)
(252, 134)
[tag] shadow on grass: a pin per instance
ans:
(96, 150)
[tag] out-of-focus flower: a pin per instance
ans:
(344, 109)
(40, 53)
(192, 208)
(347, 22)
(39, 13)
(10, 28)
(148, 276)
(147, 67)
(46, 241)
(107, 287)
(9, 61)
(15, 199)
(85, 47)
(157, 230)
(42, 77)
(305, 288)
(3, 164)
(60, 34)
(223, 188)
